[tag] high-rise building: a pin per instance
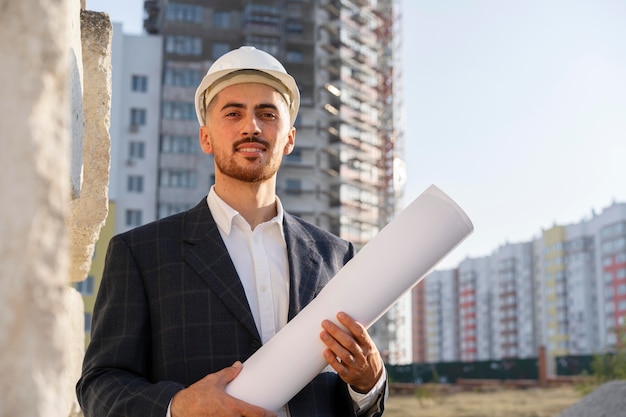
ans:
(341, 174)
(512, 302)
(135, 119)
(564, 290)
(583, 279)
(442, 330)
(346, 173)
(474, 308)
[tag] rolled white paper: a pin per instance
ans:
(389, 265)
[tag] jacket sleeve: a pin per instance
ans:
(115, 378)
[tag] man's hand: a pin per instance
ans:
(207, 398)
(352, 354)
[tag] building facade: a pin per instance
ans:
(344, 172)
(512, 302)
(564, 290)
(475, 300)
(442, 328)
(135, 122)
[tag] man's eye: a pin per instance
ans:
(268, 115)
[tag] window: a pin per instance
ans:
(263, 25)
(183, 45)
(295, 156)
(139, 83)
(294, 56)
(294, 10)
(261, 9)
(137, 117)
(294, 28)
(221, 20)
(184, 13)
(177, 178)
(265, 43)
(85, 287)
(179, 110)
(135, 184)
(182, 77)
(133, 218)
(167, 209)
(219, 49)
(179, 144)
(136, 150)
(293, 186)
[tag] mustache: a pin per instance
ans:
(251, 139)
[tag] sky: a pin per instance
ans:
(516, 110)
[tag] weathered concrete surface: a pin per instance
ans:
(42, 108)
(88, 212)
(34, 173)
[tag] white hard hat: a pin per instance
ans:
(246, 64)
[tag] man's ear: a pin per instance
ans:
(205, 143)
(291, 140)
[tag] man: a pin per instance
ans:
(186, 299)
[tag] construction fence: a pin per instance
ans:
(504, 369)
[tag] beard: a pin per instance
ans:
(257, 170)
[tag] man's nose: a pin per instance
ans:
(251, 127)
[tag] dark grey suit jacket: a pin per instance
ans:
(171, 309)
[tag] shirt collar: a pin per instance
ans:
(225, 215)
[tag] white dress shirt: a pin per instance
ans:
(260, 258)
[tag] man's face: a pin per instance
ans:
(248, 131)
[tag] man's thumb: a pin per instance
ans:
(230, 373)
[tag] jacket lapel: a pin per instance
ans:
(206, 253)
(304, 265)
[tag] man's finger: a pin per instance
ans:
(226, 375)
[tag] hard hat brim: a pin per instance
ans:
(213, 78)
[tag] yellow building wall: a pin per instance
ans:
(554, 261)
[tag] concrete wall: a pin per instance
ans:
(53, 175)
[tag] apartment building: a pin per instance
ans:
(442, 327)
(565, 290)
(512, 302)
(589, 261)
(475, 300)
(610, 262)
(135, 121)
(418, 324)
